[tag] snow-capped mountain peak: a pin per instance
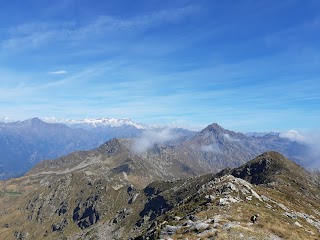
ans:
(92, 122)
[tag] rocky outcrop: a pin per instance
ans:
(63, 208)
(20, 235)
(154, 207)
(60, 225)
(86, 213)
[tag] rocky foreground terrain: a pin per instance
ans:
(282, 193)
(98, 195)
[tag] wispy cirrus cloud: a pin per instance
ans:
(37, 34)
(59, 72)
(125, 85)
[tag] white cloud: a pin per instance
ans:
(293, 135)
(151, 137)
(228, 138)
(211, 148)
(311, 139)
(5, 119)
(60, 72)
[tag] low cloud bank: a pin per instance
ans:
(211, 148)
(230, 139)
(151, 137)
(293, 135)
(311, 139)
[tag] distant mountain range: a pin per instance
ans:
(100, 122)
(25, 143)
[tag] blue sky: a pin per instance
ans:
(249, 65)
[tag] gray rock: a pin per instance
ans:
(20, 235)
(60, 225)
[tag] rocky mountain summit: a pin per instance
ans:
(223, 148)
(110, 193)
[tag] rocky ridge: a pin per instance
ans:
(287, 201)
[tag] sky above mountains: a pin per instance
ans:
(249, 65)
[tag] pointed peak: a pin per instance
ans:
(34, 120)
(214, 127)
